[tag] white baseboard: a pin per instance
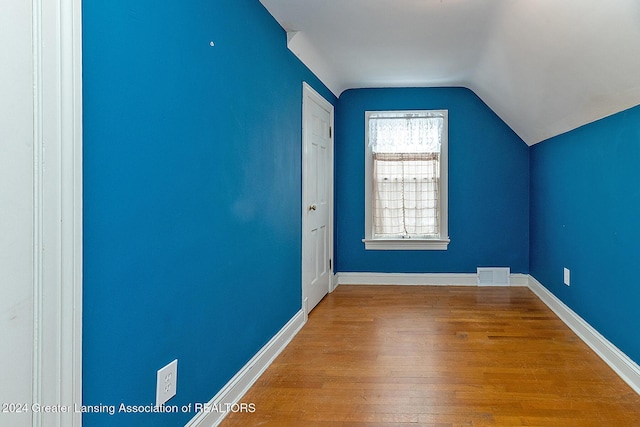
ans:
(626, 368)
(408, 279)
(420, 279)
(519, 279)
(334, 282)
(233, 391)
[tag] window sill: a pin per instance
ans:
(406, 244)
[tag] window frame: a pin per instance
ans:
(441, 243)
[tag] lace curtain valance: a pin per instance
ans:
(399, 132)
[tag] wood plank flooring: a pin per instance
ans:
(437, 356)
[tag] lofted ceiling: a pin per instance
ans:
(544, 66)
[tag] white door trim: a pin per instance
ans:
(57, 216)
(309, 92)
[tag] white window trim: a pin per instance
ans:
(414, 243)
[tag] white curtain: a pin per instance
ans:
(405, 132)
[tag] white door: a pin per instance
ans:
(317, 197)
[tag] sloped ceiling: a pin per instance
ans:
(544, 66)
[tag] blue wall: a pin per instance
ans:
(488, 185)
(585, 215)
(192, 195)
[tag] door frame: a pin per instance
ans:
(57, 209)
(310, 95)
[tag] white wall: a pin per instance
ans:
(16, 208)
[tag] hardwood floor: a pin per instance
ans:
(437, 356)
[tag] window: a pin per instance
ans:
(406, 180)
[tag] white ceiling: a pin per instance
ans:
(544, 66)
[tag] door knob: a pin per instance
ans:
(313, 207)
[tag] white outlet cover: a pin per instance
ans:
(567, 277)
(166, 382)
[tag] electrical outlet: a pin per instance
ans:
(166, 382)
(567, 277)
